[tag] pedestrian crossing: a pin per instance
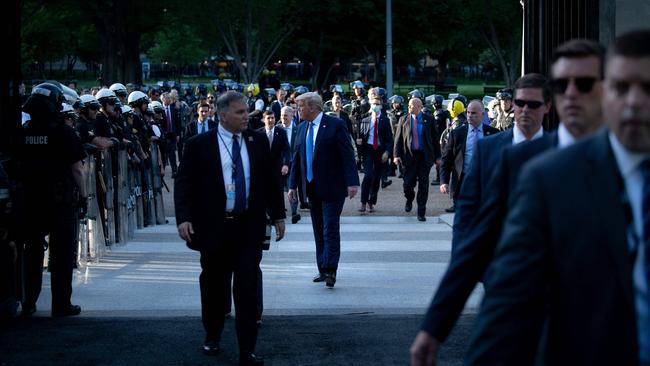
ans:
(388, 265)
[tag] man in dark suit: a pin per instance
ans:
(290, 129)
(171, 129)
(202, 124)
(376, 141)
(323, 165)
(278, 103)
(577, 59)
(416, 149)
(458, 152)
(278, 143)
(224, 189)
(575, 260)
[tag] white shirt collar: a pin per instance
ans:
(518, 136)
(627, 161)
(225, 133)
(565, 138)
(316, 120)
(267, 130)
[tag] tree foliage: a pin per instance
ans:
(326, 36)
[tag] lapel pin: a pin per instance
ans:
(250, 138)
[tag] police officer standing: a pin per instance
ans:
(51, 176)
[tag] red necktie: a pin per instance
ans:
(375, 139)
(416, 141)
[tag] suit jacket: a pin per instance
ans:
(403, 138)
(280, 151)
(348, 122)
(192, 128)
(473, 251)
(384, 133)
(453, 156)
(475, 182)
(563, 260)
(175, 121)
(200, 195)
(333, 162)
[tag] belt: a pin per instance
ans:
(233, 216)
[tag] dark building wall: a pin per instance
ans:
(548, 23)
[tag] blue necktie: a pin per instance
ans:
(238, 175)
(310, 151)
(645, 172)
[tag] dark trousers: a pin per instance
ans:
(170, 153)
(372, 170)
(179, 147)
(294, 204)
(242, 260)
(325, 220)
(62, 245)
(417, 171)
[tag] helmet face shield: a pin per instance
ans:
(504, 94)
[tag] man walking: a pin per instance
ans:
(224, 189)
(323, 165)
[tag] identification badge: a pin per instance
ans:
(230, 191)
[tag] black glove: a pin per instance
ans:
(83, 207)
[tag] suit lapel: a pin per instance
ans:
(214, 149)
(607, 193)
(320, 133)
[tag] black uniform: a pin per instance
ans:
(47, 151)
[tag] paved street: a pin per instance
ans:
(141, 301)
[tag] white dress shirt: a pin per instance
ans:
(315, 126)
(564, 137)
(519, 137)
(629, 165)
(199, 126)
(225, 150)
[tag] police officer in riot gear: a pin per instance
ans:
(120, 91)
(442, 118)
(360, 108)
(395, 113)
(51, 177)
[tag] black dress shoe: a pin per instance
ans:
(386, 183)
(295, 218)
(211, 347)
(319, 278)
(250, 360)
(422, 218)
(451, 209)
(71, 310)
(409, 206)
(330, 279)
(28, 311)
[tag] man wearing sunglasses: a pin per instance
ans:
(571, 60)
(574, 256)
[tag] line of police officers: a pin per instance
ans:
(51, 196)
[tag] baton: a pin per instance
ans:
(164, 184)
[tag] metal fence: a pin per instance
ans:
(124, 194)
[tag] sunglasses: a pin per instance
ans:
(532, 104)
(583, 84)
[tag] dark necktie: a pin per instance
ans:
(238, 176)
(203, 126)
(414, 132)
(375, 138)
(645, 172)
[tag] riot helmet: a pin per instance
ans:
(105, 96)
(137, 98)
(396, 99)
(437, 101)
(336, 88)
(119, 90)
(89, 101)
(505, 93)
(416, 93)
(357, 84)
(301, 90)
(46, 98)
